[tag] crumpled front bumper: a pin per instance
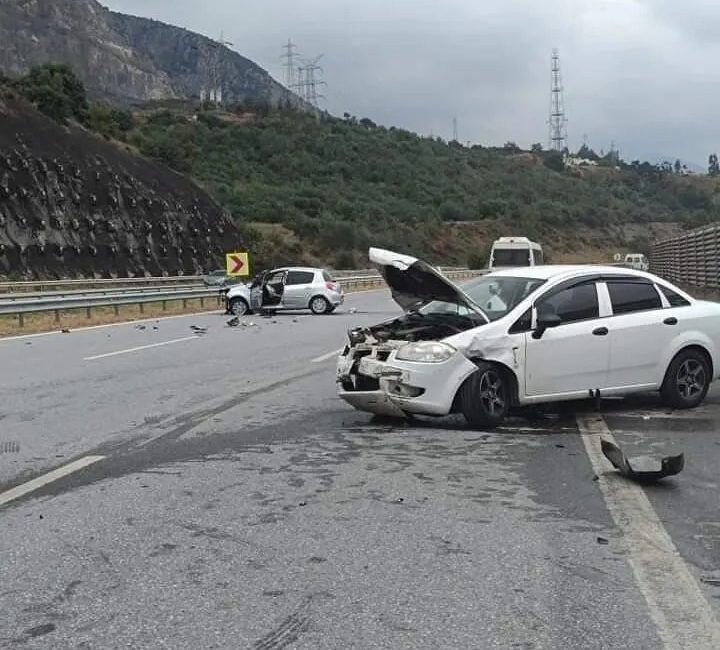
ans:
(404, 386)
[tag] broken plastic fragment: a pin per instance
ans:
(642, 468)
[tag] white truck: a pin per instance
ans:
(636, 261)
(509, 252)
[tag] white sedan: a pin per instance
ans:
(527, 336)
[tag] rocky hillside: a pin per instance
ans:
(72, 204)
(123, 58)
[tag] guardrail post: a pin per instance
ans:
(57, 315)
(202, 302)
(21, 319)
(88, 312)
(116, 309)
(142, 307)
(184, 303)
(164, 305)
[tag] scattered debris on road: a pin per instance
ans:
(602, 540)
(199, 330)
(233, 322)
(140, 327)
(642, 468)
(65, 330)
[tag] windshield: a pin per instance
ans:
(511, 257)
(495, 295)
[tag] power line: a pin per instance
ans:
(557, 120)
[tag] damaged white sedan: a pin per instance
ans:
(527, 336)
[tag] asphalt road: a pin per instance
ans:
(233, 501)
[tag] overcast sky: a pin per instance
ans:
(642, 73)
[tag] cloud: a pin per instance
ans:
(637, 72)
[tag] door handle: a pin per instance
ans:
(600, 331)
(670, 320)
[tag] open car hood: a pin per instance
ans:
(414, 283)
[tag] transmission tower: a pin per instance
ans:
(455, 130)
(291, 69)
(212, 89)
(557, 121)
(308, 81)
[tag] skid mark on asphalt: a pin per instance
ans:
(682, 615)
(288, 631)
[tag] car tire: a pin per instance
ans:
(320, 305)
(239, 307)
(687, 380)
(485, 397)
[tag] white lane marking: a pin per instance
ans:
(327, 356)
(683, 617)
(87, 328)
(140, 347)
(45, 479)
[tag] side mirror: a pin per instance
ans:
(545, 321)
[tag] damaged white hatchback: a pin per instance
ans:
(527, 336)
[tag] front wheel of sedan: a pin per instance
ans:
(485, 397)
(687, 380)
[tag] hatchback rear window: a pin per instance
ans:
(327, 277)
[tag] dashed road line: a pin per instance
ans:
(327, 356)
(139, 348)
(683, 617)
(45, 479)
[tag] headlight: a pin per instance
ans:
(425, 352)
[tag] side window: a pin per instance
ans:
(628, 297)
(522, 324)
(538, 257)
(327, 277)
(573, 304)
(299, 277)
(275, 278)
(675, 299)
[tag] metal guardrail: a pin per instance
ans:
(43, 285)
(691, 259)
(21, 304)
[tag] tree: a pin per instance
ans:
(678, 166)
(587, 153)
(713, 164)
(536, 148)
(56, 91)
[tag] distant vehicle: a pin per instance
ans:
(285, 289)
(637, 261)
(510, 252)
(527, 336)
(216, 278)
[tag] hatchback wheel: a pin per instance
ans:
(687, 380)
(320, 305)
(485, 397)
(238, 307)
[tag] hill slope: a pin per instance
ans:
(123, 58)
(336, 186)
(72, 204)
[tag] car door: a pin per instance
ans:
(267, 291)
(298, 288)
(639, 332)
(571, 358)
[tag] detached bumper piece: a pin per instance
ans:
(642, 469)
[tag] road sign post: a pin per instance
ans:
(237, 264)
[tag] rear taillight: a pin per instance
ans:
(332, 286)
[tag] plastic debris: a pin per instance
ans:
(602, 540)
(65, 331)
(140, 327)
(233, 322)
(353, 310)
(199, 330)
(642, 468)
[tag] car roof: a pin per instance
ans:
(296, 268)
(550, 271)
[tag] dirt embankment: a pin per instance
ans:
(74, 205)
